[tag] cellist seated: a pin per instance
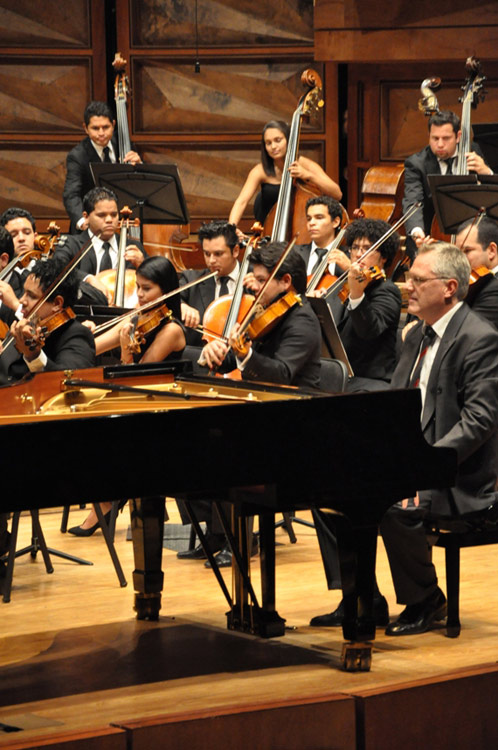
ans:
(289, 352)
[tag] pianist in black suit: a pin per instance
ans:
(100, 207)
(99, 145)
(458, 380)
(368, 321)
(480, 245)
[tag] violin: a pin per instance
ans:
(264, 321)
(43, 328)
(144, 323)
(374, 273)
(479, 277)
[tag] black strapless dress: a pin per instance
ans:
(265, 200)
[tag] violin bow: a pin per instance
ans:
(343, 277)
(150, 305)
(54, 285)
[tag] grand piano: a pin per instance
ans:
(146, 432)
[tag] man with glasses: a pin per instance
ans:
(368, 320)
(452, 356)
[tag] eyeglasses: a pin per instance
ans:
(419, 280)
(360, 248)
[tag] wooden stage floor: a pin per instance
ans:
(77, 670)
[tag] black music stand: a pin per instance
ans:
(486, 135)
(332, 346)
(155, 189)
(458, 198)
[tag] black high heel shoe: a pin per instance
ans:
(78, 531)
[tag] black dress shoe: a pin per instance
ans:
(335, 618)
(224, 558)
(215, 543)
(418, 618)
(78, 531)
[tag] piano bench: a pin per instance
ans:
(470, 530)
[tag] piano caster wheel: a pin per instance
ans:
(147, 606)
(356, 657)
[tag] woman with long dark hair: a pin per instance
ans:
(266, 176)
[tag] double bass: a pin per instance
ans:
(288, 218)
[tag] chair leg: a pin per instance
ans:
(64, 519)
(7, 584)
(452, 557)
(110, 544)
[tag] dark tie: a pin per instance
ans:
(449, 164)
(223, 285)
(320, 251)
(105, 261)
(107, 155)
(429, 336)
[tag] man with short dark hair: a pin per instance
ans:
(368, 320)
(69, 345)
(21, 227)
(323, 218)
(452, 356)
(438, 157)
(100, 145)
(290, 352)
(479, 243)
(100, 209)
(220, 246)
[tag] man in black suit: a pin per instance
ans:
(452, 355)
(21, 226)
(444, 137)
(99, 145)
(69, 346)
(323, 217)
(100, 209)
(220, 246)
(9, 301)
(289, 353)
(368, 321)
(480, 245)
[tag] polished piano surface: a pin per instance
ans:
(152, 431)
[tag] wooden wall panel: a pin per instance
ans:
(169, 97)
(363, 31)
(51, 23)
(43, 98)
(33, 177)
(233, 23)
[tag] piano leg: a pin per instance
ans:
(357, 547)
(147, 530)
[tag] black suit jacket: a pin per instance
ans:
(289, 354)
(79, 178)
(417, 168)
(71, 346)
(71, 244)
(369, 332)
(200, 297)
(461, 408)
(484, 299)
